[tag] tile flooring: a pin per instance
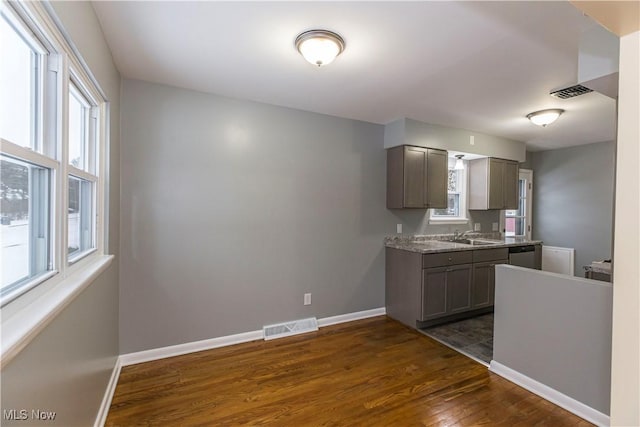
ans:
(473, 337)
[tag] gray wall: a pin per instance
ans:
(232, 210)
(414, 132)
(416, 221)
(528, 163)
(573, 200)
(66, 368)
(555, 329)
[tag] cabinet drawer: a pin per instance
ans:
(446, 258)
(483, 255)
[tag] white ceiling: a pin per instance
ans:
(475, 65)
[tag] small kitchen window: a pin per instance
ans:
(456, 210)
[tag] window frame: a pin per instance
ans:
(42, 50)
(60, 67)
(29, 156)
(525, 175)
(463, 218)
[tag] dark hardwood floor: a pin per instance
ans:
(369, 372)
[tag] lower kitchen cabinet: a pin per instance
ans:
(445, 291)
(484, 275)
(484, 283)
(428, 288)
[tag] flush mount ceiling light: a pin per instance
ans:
(544, 117)
(319, 47)
(459, 165)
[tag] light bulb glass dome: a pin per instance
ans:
(459, 165)
(544, 117)
(319, 47)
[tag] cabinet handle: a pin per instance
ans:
(448, 270)
(492, 265)
(450, 258)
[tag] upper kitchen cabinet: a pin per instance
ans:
(493, 184)
(416, 177)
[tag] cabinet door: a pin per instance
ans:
(459, 288)
(436, 194)
(414, 177)
(496, 188)
(434, 293)
(510, 185)
(481, 287)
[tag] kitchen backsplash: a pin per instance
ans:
(416, 222)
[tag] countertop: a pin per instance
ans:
(439, 243)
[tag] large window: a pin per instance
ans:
(50, 133)
(456, 210)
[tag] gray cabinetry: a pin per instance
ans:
(436, 193)
(416, 177)
(483, 286)
(493, 184)
(459, 288)
(445, 290)
(423, 289)
(434, 293)
(510, 182)
(484, 275)
(495, 190)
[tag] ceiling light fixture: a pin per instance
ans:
(459, 165)
(544, 117)
(319, 47)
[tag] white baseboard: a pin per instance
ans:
(192, 347)
(550, 394)
(350, 317)
(101, 418)
(189, 347)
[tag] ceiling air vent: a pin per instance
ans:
(570, 92)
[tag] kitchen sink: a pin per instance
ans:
(463, 241)
(474, 242)
(483, 243)
(471, 242)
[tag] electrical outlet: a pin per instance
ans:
(399, 228)
(472, 140)
(476, 226)
(307, 299)
(495, 226)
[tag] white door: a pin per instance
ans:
(517, 222)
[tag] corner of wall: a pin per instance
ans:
(394, 133)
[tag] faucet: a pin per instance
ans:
(457, 235)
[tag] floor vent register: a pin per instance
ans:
(286, 329)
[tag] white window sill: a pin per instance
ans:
(449, 221)
(20, 326)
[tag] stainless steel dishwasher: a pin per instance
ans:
(523, 256)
